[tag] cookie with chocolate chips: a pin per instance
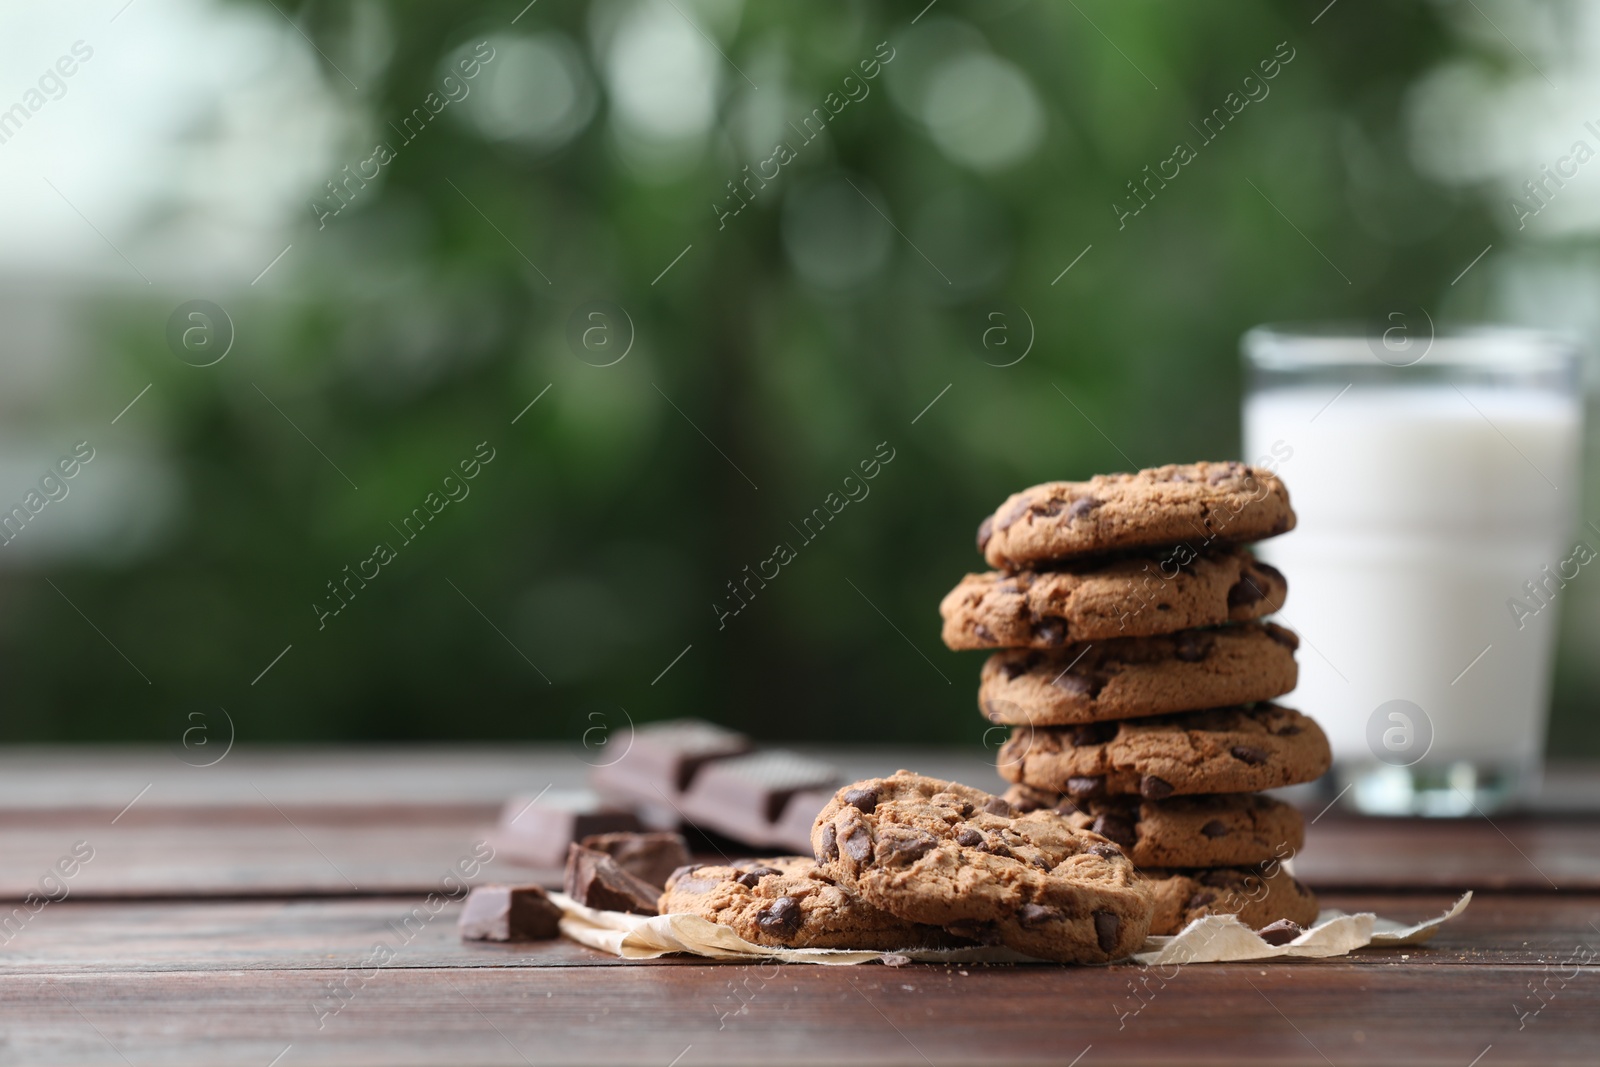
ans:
(1223, 750)
(1128, 677)
(790, 902)
(1131, 596)
(1260, 896)
(1200, 504)
(948, 855)
(1225, 830)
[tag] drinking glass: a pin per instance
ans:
(1436, 480)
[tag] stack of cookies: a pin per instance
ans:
(1131, 660)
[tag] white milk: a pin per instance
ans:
(1418, 521)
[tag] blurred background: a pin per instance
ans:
(281, 268)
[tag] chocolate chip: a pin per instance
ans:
(1281, 932)
(1081, 507)
(1222, 878)
(985, 531)
(998, 806)
(1075, 684)
(1037, 915)
(1191, 647)
(1281, 526)
(1153, 788)
(1106, 925)
(1286, 731)
(1067, 807)
(907, 846)
(1200, 900)
(1245, 592)
(857, 844)
(1019, 509)
(1012, 666)
(749, 878)
(1269, 570)
(997, 848)
(1253, 756)
(984, 633)
(964, 809)
(981, 932)
(1118, 828)
(863, 800)
(1082, 787)
(1214, 829)
(1106, 851)
(969, 837)
(1284, 637)
(1050, 630)
(1049, 509)
(781, 917)
(829, 849)
(1094, 733)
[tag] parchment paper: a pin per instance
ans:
(1212, 939)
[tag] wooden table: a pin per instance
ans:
(221, 905)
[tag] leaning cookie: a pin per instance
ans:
(1200, 504)
(944, 854)
(1226, 830)
(1223, 750)
(1129, 677)
(1132, 596)
(789, 902)
(1259, 896)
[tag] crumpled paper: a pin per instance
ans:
(1211, 939)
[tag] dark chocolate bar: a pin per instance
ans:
(537, 830)
(594, 880)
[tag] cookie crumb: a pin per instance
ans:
(894, 959)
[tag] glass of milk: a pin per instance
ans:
(1436, 480)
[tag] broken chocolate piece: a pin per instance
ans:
(537, 830)
(509, 913)
(649, 857)
(1281, 932)
(594, 880)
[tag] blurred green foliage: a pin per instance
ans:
(778, 352)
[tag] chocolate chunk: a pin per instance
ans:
(1049, 509)
(1067, 807)
(998, 848)
(964, 809)
(969, 837)
(1200, 900)
(1050, 630)
(857, 843)
(509, 913)
(1153, 788)
(1075, 684)
(1081, 507)
(781, 918)
(1094, 733)
(905, 845)
(1286, 638)
(1082, 787)
(863, 800)
(649, 857)
(985, 531)
(1286, 731)
(830, 844)
(1106, 851)
(537, 830)
(1013, 666)
(1223, 878)
(1037, 915)
(594, 880)
(984, 633)
(1253, 756)
(1191, 647)
(1118, 828)
(1106, 925)
(1281, 932)
(749, 878)
(1281, 526)
(1245, 592)
(1019, 509)
(1214, 829)
(998, 806)
(685, 879)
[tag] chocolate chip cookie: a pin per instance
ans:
(1225, 830)
(1133, 596)
(1131, 676)
(1258, 895)
(1201, 504)
(948, 855)
(1223, 750)
(790, 902)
